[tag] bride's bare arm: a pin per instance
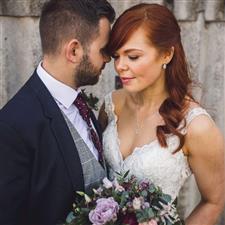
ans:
(205, 146)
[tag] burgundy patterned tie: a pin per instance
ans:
(84, 111)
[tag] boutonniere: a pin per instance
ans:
(92, 101)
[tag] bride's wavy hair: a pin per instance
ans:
(163, 31)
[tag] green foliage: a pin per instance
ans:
(144, 215)
(91, 100)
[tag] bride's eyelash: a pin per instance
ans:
(133, 57)
(115, 57)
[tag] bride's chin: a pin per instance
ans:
(131, 90)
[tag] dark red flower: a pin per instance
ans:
(129, 219)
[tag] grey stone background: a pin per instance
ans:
(203, 34)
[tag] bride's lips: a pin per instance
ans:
(126, 80)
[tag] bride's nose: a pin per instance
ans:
(121, 65)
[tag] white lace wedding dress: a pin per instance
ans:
(164, 169)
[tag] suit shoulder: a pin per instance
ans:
(24, 105)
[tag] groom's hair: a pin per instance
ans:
(62, 20)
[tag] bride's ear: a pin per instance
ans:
(73, 51)
(168, 55)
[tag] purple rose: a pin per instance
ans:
(144, 184)
(105, 211)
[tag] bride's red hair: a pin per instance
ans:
(163, 32)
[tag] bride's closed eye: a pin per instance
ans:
(133, 58)
(115, 57)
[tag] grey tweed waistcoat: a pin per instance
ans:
(93, 172)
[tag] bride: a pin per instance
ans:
(153, 126)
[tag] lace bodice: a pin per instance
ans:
(164, 169)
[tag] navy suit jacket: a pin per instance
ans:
(40, 169)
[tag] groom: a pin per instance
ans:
(49, 140)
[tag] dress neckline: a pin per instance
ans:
(154, 141)
(137, 148)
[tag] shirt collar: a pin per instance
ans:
(60, 92)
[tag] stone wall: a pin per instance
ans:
(203, 32)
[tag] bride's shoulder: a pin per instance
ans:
(203, 138)
(198, 119)
(194, 110)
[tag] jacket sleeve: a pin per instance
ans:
(14, 176)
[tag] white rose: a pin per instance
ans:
(107, 183)
(137, 203)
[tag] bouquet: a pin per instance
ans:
(124, 201)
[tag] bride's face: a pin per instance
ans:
(139, 64)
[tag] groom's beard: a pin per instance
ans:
(86, 73)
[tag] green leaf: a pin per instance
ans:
(144, 193)
(168, 222)
(152, 189)
(81, 193)
(166, 198)
(118, 173)
(123, 199)
(87, 198)
(126, 174)
(145, 215)
(150, 213)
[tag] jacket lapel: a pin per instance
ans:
(61, 132)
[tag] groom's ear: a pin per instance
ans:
(73, 51)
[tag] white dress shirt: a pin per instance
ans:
(64, 96)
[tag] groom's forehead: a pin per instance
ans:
(104, 29)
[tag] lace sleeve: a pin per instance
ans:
(193, 113)
(109, 107)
